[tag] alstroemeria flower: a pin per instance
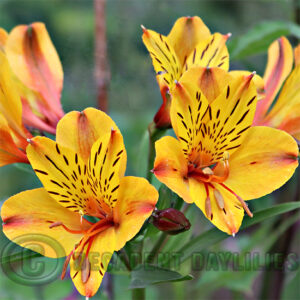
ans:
(218, 160)
(13, 134)
(188, 44)
(285, 114)
(83, 175)
(38, 75)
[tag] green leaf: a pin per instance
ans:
(258, 39)
(145, 275)
(214, 235)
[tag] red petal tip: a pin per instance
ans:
(144, 29)
(228, 35)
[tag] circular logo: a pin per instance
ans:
(31, 268)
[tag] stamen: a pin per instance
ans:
(245, 206)
(56, 224)
(66, 263)
(208, 171)
(85, 270)
(219, 198)
(207, 203)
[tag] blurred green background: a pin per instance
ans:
(133, 100)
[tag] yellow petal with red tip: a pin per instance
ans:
(136, 201)
(80, 130)
(10, 102)
(105, 166)
(186, 33)
(211, 52)
(227, 219)
(258, 81)
(170, 166)
(35, 62)
(288, 104)
(26, 220)
(211, 81)
(280, 62)
(87, 273)
(3, 37)
(164, 58)
(297, 55)
(264, 162)
(62, 172)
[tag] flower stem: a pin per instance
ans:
(138, 294)
(157, 247)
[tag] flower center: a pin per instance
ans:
(211, 176)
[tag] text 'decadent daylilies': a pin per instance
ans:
(188, 44)
(38, 74)
(285, 114)
(13, 134)
(218, 160)
(83, 174)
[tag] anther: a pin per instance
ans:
(85, 270)
(219, 198)
(208, 207)
(208, 171)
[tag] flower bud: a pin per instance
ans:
(171, 221)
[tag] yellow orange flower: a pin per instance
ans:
(188, 44)
(83, 175)
(218, 160)
(285, 114)
(38, 74)
(13, 135)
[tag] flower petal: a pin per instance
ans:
(170, 166)
(105, 166)
(136, 201)
(227, 219)
(211, 81)
(258, 81)
(26, 220)
(62, 172)
(292, 126)
(297, 55)
(207, 131)
(3, 37)
(211, 52)
(9, 151)
(35, 62)
(10, 102)
(264, 162)
(280, 62)
(186, 33)
(87, 274)
(288, 104)
(80, 130)
(165, 61)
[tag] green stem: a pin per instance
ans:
(157, 247)
(138, 294)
